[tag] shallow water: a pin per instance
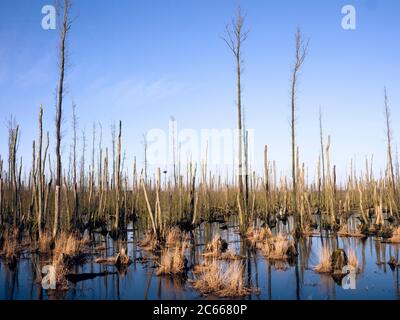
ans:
(376, 280)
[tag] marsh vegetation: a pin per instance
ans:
(106, 217)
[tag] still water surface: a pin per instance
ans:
(276, 281)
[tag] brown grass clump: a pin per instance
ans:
(309, 231)
(149, 242)
(68, 250)
(255, 236)
(324, 265)
(345, 232)
(277, 247)
(10, 246)
(395, 236)
(229, 255)
(202, 267)
(222, 281)
(44, 242)
(216, 247)
(173, 262)
(61, 269)
(67, 244)
(352, 259)
(175, 236)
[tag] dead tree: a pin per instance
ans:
(301, 47)
(64, 28)
(74, 164)
(236, 35)
(145, 158)
(13, 133)
(322, 153)
(389, 143)
(117, 179)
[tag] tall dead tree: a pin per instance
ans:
(321, 138)
(13, 133)
(145, 157)
(389, 143)
(301, 47)
(118, 179)
(40, 175)
(236, 35)
(64, 28)
(74, 164)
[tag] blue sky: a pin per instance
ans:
(145, 61)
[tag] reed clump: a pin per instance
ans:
(256, 236)
(173, 262)
(68, 244)
(345, 231)
(10, 246)
(149, 242)
(44, 243)
(175, 236)
(278, 247)
(325, 264)
(222, 280)
(352, 259)
(216, 247)
(395, 238)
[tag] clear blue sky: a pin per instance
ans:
(144, 61)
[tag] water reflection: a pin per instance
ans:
(276, 280)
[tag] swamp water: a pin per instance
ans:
(275, 280)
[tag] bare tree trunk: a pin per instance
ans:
(389, 143)
(301, 51)
(33, 182)
(74, 165)
(64, 28)
(40, 173)
(145, 158)
(117, 179)
(322, 153)
(13, 141)
(235, 36)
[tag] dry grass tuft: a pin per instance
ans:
(277, 247)
(149, 242)
(216, 247)
(255, 236)
(67, 244)
(345, 232)
(10, 247)
(222, 281)
(173, 262)
(44, 242)
(324, 265)
(175, 236)
(396, 236)
(68, 250)
(309, 231)
(229, 255)
(352, 259)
